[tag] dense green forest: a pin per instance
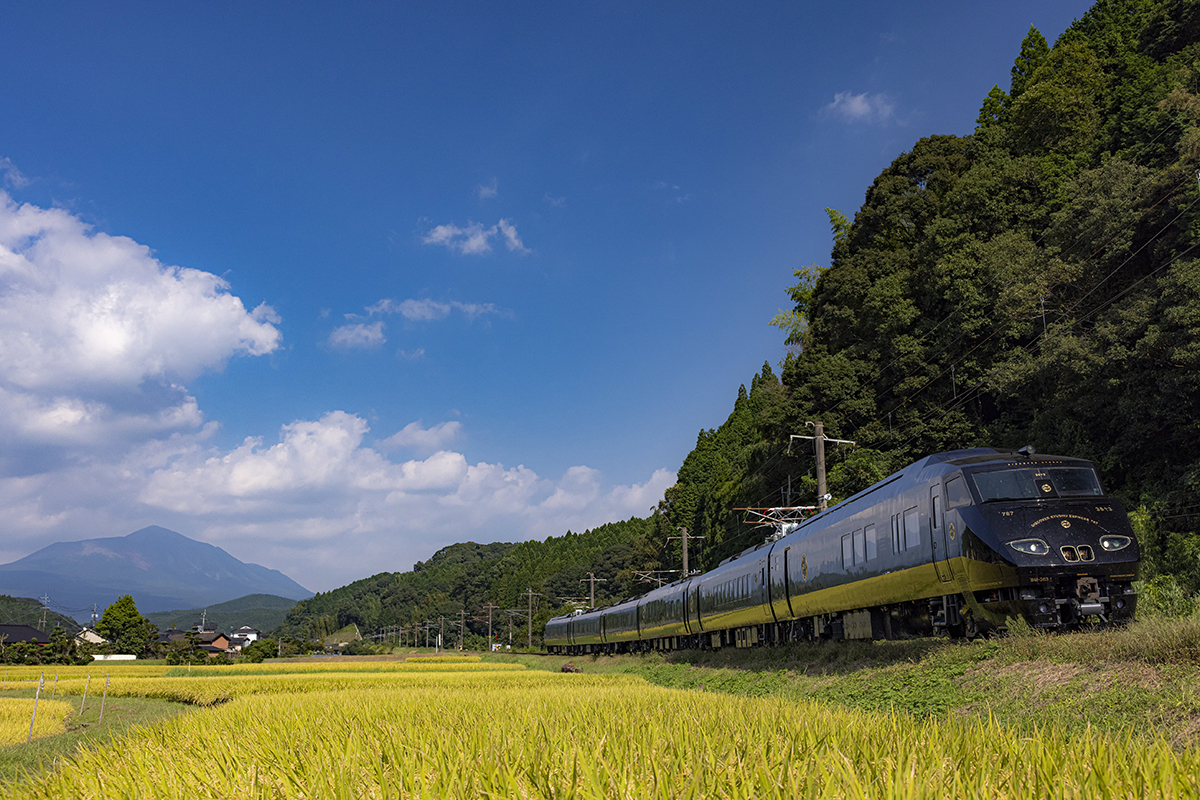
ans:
(466, 577)
(1034, 282)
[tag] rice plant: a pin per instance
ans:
(584, 736)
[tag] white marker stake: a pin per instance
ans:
(102, 699)
(86, 684)
(35, 702)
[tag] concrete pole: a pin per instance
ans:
(819, 440)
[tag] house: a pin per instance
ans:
(217, 641)
(89, 636)
(248, 633)
(210, 641)
(11, 634)
(171, 635)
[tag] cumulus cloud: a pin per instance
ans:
(319, 476)
(487, 191)
(474, 239)
(416, 437)
(357, 336)
(317, 502)
(97, 337)
(867, 108)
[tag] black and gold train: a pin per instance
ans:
(956, 543)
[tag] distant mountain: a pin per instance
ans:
(161, 569)
(265, 612)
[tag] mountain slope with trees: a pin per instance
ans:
(468, 576)
(1034, 282)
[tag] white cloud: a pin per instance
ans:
(320, 478)
(416, 437)
(423, 310)
(551, 200)
(511, 240)
(474, 239)
(97, 337)
(427, 310)
(79, 308)
(317, 503)
(357, 335)
(99, 435)
(487, 191)
(864, 107)
(12, 175)
(413, 355)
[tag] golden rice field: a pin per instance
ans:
(16, 713)
(528, 734)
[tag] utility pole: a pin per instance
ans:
(530, 593)
(490, 607)
(684, 535)
(462, 629)
(592, 580)
(45, 608)
(819, 439)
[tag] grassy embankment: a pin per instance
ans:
(1141, 681)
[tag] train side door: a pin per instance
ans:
(937, 533)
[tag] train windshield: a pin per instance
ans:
(1030, 482)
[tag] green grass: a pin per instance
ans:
(121, 715)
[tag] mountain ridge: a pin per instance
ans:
(162, 569)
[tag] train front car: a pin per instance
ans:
(1040, 540)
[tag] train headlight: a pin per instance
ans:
(1112, 542)
(1035, 547)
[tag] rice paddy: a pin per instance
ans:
(395, 731)
(16, 714)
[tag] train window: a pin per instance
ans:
(935, 502)
(1029, 482)
(912, 528)
(847, 552)
(957, 494)
(897, 543)
(1006, 484)
(869, 533)
(860, 551)
(1075, 481)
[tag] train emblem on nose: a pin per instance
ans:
(803, 568)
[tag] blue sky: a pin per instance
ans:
(333, 286)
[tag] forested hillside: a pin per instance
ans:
(1035, 282)
(468, 576)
